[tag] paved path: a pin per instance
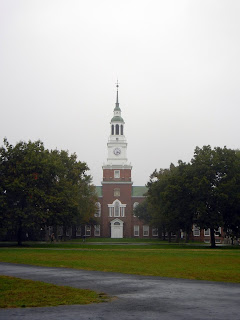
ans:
(138, 297)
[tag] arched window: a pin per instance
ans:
(121, 129)
(117, 128)
(98, 210)
(134, 207)
(116, 209)
(112, 129)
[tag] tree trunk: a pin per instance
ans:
(164, 235)
(169, 237)
(159, 233)
(212, 233)
(178, 236)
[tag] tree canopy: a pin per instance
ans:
(205, 191)
(41, 187)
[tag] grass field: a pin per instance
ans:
(16, 293)
(178, 261)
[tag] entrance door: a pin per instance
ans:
(117, 229)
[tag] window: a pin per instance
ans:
(87, 231)
(196, 231)
(112, 129)
(116, 209)
(136, 231)
(116, 192)
(218, 232)
(97, 230)
(154, 232)
(121, 129)
(117, 174)
(207, 232)
(98, 210)
(122, 209)
(111, 210)
(78, 231)
(117, 129)
(134, 207)
(69, 232)
(60, 231)
(145, 231)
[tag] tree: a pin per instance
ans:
(142, 211)
(41, 187)
(213, 168)
(171, 197)
(230, 199)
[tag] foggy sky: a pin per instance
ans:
(178, 64)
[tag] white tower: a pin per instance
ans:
(117, 143)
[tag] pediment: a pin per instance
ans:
(116, 220)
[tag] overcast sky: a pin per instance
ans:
(178, 64)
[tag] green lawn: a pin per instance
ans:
(15, 293)
(178, 261)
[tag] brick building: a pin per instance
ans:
(117, 196)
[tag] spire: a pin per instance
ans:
(117, 103)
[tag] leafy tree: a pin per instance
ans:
(41, 187)
(229, 190)
(213, 169)
(142, 211)
(170, 194)
(205, 191)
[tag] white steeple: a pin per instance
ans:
(117, 143)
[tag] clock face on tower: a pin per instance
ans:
(117, 151)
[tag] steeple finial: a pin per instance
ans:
(117, 85)
(117, 103)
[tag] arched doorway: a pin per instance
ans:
(116, 228)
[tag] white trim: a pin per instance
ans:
(116, 166)
(116, 228)
(207, 232)
(117, 182)
(146, 231)
(98, 211)
(196, 231)
(117, 174)
(111, 209)
(87, 230)
(136, 231)
(97, 230)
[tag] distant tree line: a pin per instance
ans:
(41, 187)
(205, 192)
